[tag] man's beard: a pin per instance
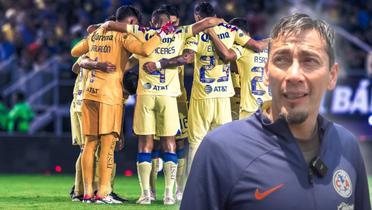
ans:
(294, 117)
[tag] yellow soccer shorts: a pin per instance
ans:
(235, 107)
(76, 126)
(100, 118)
(205, 115)
(156, 115)
(183, 110)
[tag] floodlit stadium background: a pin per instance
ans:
(35, 42)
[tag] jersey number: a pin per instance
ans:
(256, 80)
(161, 74)
(210, 66)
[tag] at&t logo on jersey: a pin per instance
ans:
(147, 86)
(342, 183)
(208, 89)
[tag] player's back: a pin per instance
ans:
(106, 46)
(251, 70)
(212, 77)
(164, 81)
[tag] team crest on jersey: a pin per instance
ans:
(208, 89)
(342, 183)
(147, 86)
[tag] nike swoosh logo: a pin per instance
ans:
(262, 195)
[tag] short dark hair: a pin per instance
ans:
(127, 11)
(111, 18)
(299, 22)
(159, 12)
(171, 9)
(204, 9)
(241, 23)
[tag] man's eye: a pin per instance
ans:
(311, 61)
(280, 60)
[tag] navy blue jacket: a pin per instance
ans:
(253, 164)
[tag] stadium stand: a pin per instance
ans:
(36, 38)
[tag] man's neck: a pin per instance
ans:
(304, 130)
(299, 131)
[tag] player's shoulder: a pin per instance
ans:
(227, 27)
(184, 29)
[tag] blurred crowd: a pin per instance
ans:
(17, 118)
(35, 30)
(38, 29)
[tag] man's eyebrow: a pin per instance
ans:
(309, 53)
(282, 51)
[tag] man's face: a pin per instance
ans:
(197, 17)
(130, 20)
(163, 19)
(299, 74)
(175, 20)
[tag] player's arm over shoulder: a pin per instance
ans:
(226, 54)
(186, 58)
(136, 46)
(80, 48)
(206, 23)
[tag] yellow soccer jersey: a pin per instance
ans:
(77, 81)
(212, 78)
(113, 47)
(82, 78)
(251, 70)
(164, 81)
(181, 76)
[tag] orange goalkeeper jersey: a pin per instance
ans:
(113, 47)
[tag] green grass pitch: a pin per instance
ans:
(51, 192)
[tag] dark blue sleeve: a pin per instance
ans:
(206, 185)
(362, 201)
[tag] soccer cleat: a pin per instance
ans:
(144, 200)
(88, 199)
(169, 201)
(117, 197)
(179, 195)
(107, 200)
(77, 198)
(153, 195)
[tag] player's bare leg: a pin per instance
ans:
(170, 167)
(87, 166)
(145, 146)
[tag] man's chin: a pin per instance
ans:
(294, 117)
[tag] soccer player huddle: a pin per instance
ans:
(225, 58)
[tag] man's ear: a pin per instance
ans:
(333, 75)
(266, 75)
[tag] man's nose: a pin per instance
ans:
(295, 73)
